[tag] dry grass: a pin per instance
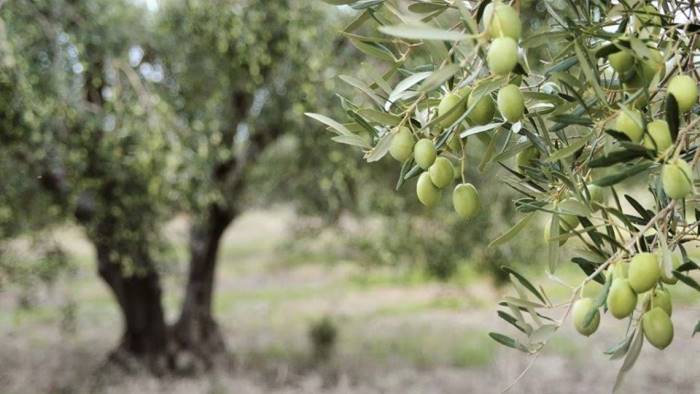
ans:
(393, 338)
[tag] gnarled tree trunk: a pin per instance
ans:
(196, 334)
(145, 335)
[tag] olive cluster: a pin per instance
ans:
(641, 276)
(502, 25)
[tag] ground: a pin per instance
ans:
(398, 331)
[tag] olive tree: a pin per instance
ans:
(586, 107)
(119, 119)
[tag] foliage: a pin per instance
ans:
(575, 110)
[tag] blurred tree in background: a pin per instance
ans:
(118, 119)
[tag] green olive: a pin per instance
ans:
(677, 179)
(647, 70)
(502, 21)
(465, 199)
(464, 92)
(502, 56)
(527, 157)
(579, 312)
(685, 90)
(657, 327)
(548, 237)
(632, 126)
(659, 136)
(427, 193)
(402, 144)
(620, 270)
(598, 195)
(644, 272)
(441, 172)
(452, 107)
(483, 110)
(510, 103)
(621, 61)
(621, 299)
(453, 143)
(662, 299)
(424, 153)
(672, 280)
(570, 221)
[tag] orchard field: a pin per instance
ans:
(399, 331)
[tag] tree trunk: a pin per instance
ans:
(145, 334)
(196, 334)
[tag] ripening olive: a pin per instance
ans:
(643, 272)
(677, 179)
(465, 199)
(457, 170)
(424, 152)
(441, 172)
(598, 196)
(427, 193)
(645, 72)
(662, 299)
(502, 56)
(452, 105)
(671, 280)
(620, 270)
(453, 143)
(657, 327)
(402, 144)
(464, 92)
(569, 220)
(548, 235)
(510, 103)
(580, 311)
(659, 136)
(502, 20)
(483, 110)
(685, 90)
(527, 157)
(621, 299)
(621, 61)
(632, 126)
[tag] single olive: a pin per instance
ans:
(502, 55)
(658, 137)
(451, 107)
(510, 103)
(465, 199)
(657, 327)
(671, 279)
(685, 90)
(502, 21)
(483, 110)
(662, 299)
(621, 61)
(527, 157)
(427, 193)
(620, 270)
(599, 196)
(677, 179)
(579, 312)
(621, 299)
(647, 70)
(632, 126)
(569, 220)
(402, 144)
(424, 153)
(644, 272)
(453, 143)
(441, 172)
